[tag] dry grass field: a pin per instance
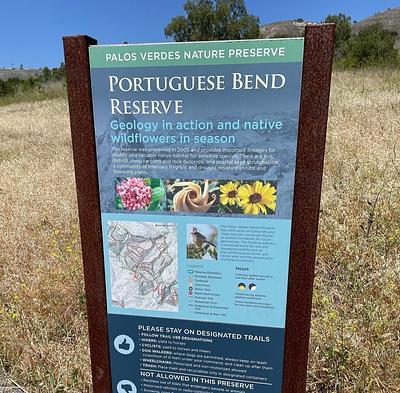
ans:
(355, 334)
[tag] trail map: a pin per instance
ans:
(143, 263)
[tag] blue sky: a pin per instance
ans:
(31, 31)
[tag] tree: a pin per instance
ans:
(46, 74)
(343, 33)
(208, 20)
(373, 46)
(58, 73)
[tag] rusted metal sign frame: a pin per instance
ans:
(318, 56)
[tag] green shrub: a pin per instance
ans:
(373, 46)
(49, 84)
(343, 33)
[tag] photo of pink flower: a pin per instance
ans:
(135, 194)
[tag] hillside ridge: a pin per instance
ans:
(8, 73)
(390, 19)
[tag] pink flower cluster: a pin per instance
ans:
(135, 193)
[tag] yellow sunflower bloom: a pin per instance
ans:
(229, 193)
(255, 197)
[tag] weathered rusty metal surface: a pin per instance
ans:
(83, 141)
(318, 56)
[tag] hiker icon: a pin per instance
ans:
(126, 387)
(124, 344)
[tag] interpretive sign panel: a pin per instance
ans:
(196, 152)
(197, 148)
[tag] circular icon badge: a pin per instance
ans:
(124, 344)
(126, 387)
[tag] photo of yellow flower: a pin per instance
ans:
(229, 193)
(256, 197)
(251, 197)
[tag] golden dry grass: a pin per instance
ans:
(355, 335)
(43, 334)
(355, 344)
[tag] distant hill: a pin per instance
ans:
(284, 29)
(390, 19)
(7, 73)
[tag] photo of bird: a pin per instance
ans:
(202, 240)
(199, 239)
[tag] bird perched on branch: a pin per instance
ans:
(199, 239)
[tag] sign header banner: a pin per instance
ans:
(198, 53)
